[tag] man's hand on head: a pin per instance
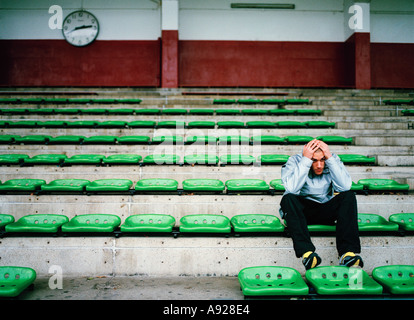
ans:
(310, 148)
(325, 149)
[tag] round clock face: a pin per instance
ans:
(80, 28)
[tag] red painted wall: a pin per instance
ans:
(169, 64)
(392, 65)
(261, 64)
(56, 63)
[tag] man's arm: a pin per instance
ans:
(294, 173)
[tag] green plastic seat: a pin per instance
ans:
(7, 159)
(205, 223)
(109, 185)
(156, 184)
(22, 185)
(23, 124)
(291, 124)
(267, 140)
(171, 124)
(237, 159)
(224, 101)
(14, 111)
(48, 223)
(5, 219)
(320, 124)
(100, 140)
(14, 280)
(407, 112)
(111, 124)
(335, 140)
(174, 111)
(148, 223)
(66, 139)
(81, 124)
(8, 138)
(201, 124)
(51, 159)
(383, 185)
(281, 112)
(129, 100)
(273, 159)
(206, 159)
(79, 100)
(256, 223)
(230, 124)
(133, 139)
(308, 112)
(166, 159)
(272, 281)
(341, 280)
(122, 159)
(260, 124)
(77, 185)
(397, 279)
(375, 222)
(298, 139)
(103, 100)
(277, 185)
(33, 139)
(141, 124)
(256, 112)
(95, 159)
(213, 185)
(233, 139)
(321, 228)
(95, 111)
(356, 186)
(397, 101)
(168, 139)
(227, 112)
(297, 101)
(92, 223)
(201, 139)
(66, 111)
(404, 220)
(356, 159)
(246, 185)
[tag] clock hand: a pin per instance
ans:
(80, 28)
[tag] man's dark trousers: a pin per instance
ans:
(342, 209)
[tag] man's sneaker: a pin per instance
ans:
(311, 260)
(349, 259)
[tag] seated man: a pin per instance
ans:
(310, 179)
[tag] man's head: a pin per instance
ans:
(318, 162)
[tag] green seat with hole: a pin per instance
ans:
(375, 222)
(291, 124)
(141, 124)
(156, 184)
(109, 185)
(383, 185)
(52, 159)
(335, 139)
(356, 159)
(207, 159)
(100, 140)
(256, 223)
(260, 124)
(233, 139)
(246, 185)
(277, 185)
(14, 280)
(48, 223)
(408, 112)
(148, 223)
(404, 220)
(5, 219)
(341, 280)
(230, 124)
(320, 124)
(33, 139)
(7, 159)
(84, 159)
(273, 158)
(356, 186)
(208, 223)
(267, 140)
(298, 139)
(23, 124)
(237, 159)
(214, 185)
(201, 124)
(272, 281)
(397, 279)
(133, 139)
(166, 159)
(122, 159)
(22, 185)
(201, 139)
(69, 139)
(65, 185)
(92, 223)
(8, 138)
(397, 101)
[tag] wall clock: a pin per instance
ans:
(80, 28)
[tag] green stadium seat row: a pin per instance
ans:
(138, 139)
(164, 124)
(149, 111)
(399, 101)
(70, 100)
(171, 185)
(195, 223)
(173, 159)
(408, 112)
(261, 101)
(261, 281)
